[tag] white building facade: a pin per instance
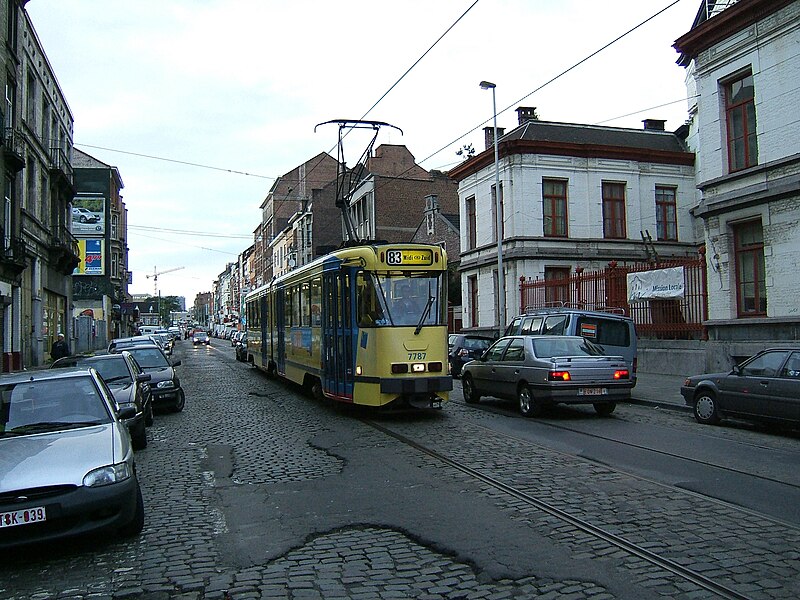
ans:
(571, 196)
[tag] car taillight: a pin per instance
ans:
(558, 376)
(621, 374)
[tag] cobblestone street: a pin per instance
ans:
(257, 491)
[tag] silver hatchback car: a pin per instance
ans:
(542, 370)
(66, 459)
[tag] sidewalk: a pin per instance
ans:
(661, 390)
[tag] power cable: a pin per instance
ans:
(649, 108)
(180, 162)
(186, 245)
(556, 77)
(188, 232)
(424, 54)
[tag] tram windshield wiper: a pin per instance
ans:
(424, 314)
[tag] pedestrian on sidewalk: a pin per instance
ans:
(60, 347)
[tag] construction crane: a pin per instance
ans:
(155, 277)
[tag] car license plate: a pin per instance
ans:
(592, 391)
(22, 517)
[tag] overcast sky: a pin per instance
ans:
(237, 88)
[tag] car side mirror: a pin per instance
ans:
(143, 377)
(177, 363)
(127, 412)
(737, 370)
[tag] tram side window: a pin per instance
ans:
(305, 305)
(291, 307)
(316, 302)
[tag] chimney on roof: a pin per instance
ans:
(526, 113)
(488, 135)
(654, 124)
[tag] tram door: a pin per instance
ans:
(266, 328)
(338, 335)
(280, 328)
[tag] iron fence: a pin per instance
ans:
(606, 290)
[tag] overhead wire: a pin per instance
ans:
(556, 77)
(391, 88)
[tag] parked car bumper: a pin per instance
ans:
(74, 511)
(574, 395)
(167, 397)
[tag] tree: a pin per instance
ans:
(466, 151)
(166, 305)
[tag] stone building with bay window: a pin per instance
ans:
(743, 79)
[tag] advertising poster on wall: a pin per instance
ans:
(88, 216)
(91, 253)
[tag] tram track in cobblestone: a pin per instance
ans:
(689, 575)
(665, 453)
(704, 498)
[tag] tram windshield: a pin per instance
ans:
(401, 299)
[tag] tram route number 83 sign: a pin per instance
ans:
(409, 257)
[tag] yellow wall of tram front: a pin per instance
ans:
(379, 348)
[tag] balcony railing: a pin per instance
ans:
(59, 161)
(14, 144)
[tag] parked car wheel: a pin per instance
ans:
(705, 408)
(137, 523)
(148, 417)
(139, 437)
(180, 402)
(471, 395)
(604, 409)
(528, 405)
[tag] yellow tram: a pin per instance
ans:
(364, 325)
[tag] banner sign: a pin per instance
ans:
(91, 254)
(662, 283)
(88, 215)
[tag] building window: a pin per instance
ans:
(472, 287)
(114, 224)
(31, 101)
(751, 289)
(471, 223)
(554, 194)
(494, 214)
(556, 291)
(613, 210)
(11, 93)
(740, 116)
(7, 225)
(666, 211)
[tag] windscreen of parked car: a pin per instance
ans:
(150, 358)
(564, 346)
(50, 405)
(112, 370)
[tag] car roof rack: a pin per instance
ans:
(579, 306)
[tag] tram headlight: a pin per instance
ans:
(418, 367)
(358, 370)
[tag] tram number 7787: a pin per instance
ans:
(416, 355)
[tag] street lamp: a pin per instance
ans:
(501, 281)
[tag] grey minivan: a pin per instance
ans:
(614, 333)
